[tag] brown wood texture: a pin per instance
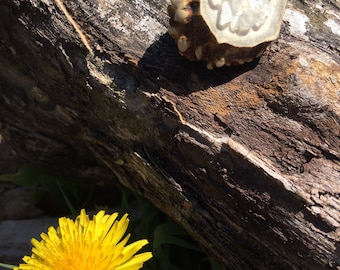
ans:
(246, 159)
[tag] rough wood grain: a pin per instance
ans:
(246, 159)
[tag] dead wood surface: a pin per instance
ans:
(246, 159)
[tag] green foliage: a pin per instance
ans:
(7, 266)
(172, 247)
(56, 194)
(27, 176)
(44, 181)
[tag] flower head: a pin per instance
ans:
(86, 244)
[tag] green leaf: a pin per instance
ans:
(26, 176)
(214, 265)
(163, 256)
(171, 233)
(8, 266)
(67, 200)
(124, 204)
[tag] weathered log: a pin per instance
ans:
(246, 158)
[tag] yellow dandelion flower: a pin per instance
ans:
(86, 244)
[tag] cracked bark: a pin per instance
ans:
(246, 159)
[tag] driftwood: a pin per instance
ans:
(246, 158)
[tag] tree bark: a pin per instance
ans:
(246, 158)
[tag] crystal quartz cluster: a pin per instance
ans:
(224, 32)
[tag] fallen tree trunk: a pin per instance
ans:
(246, 159)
